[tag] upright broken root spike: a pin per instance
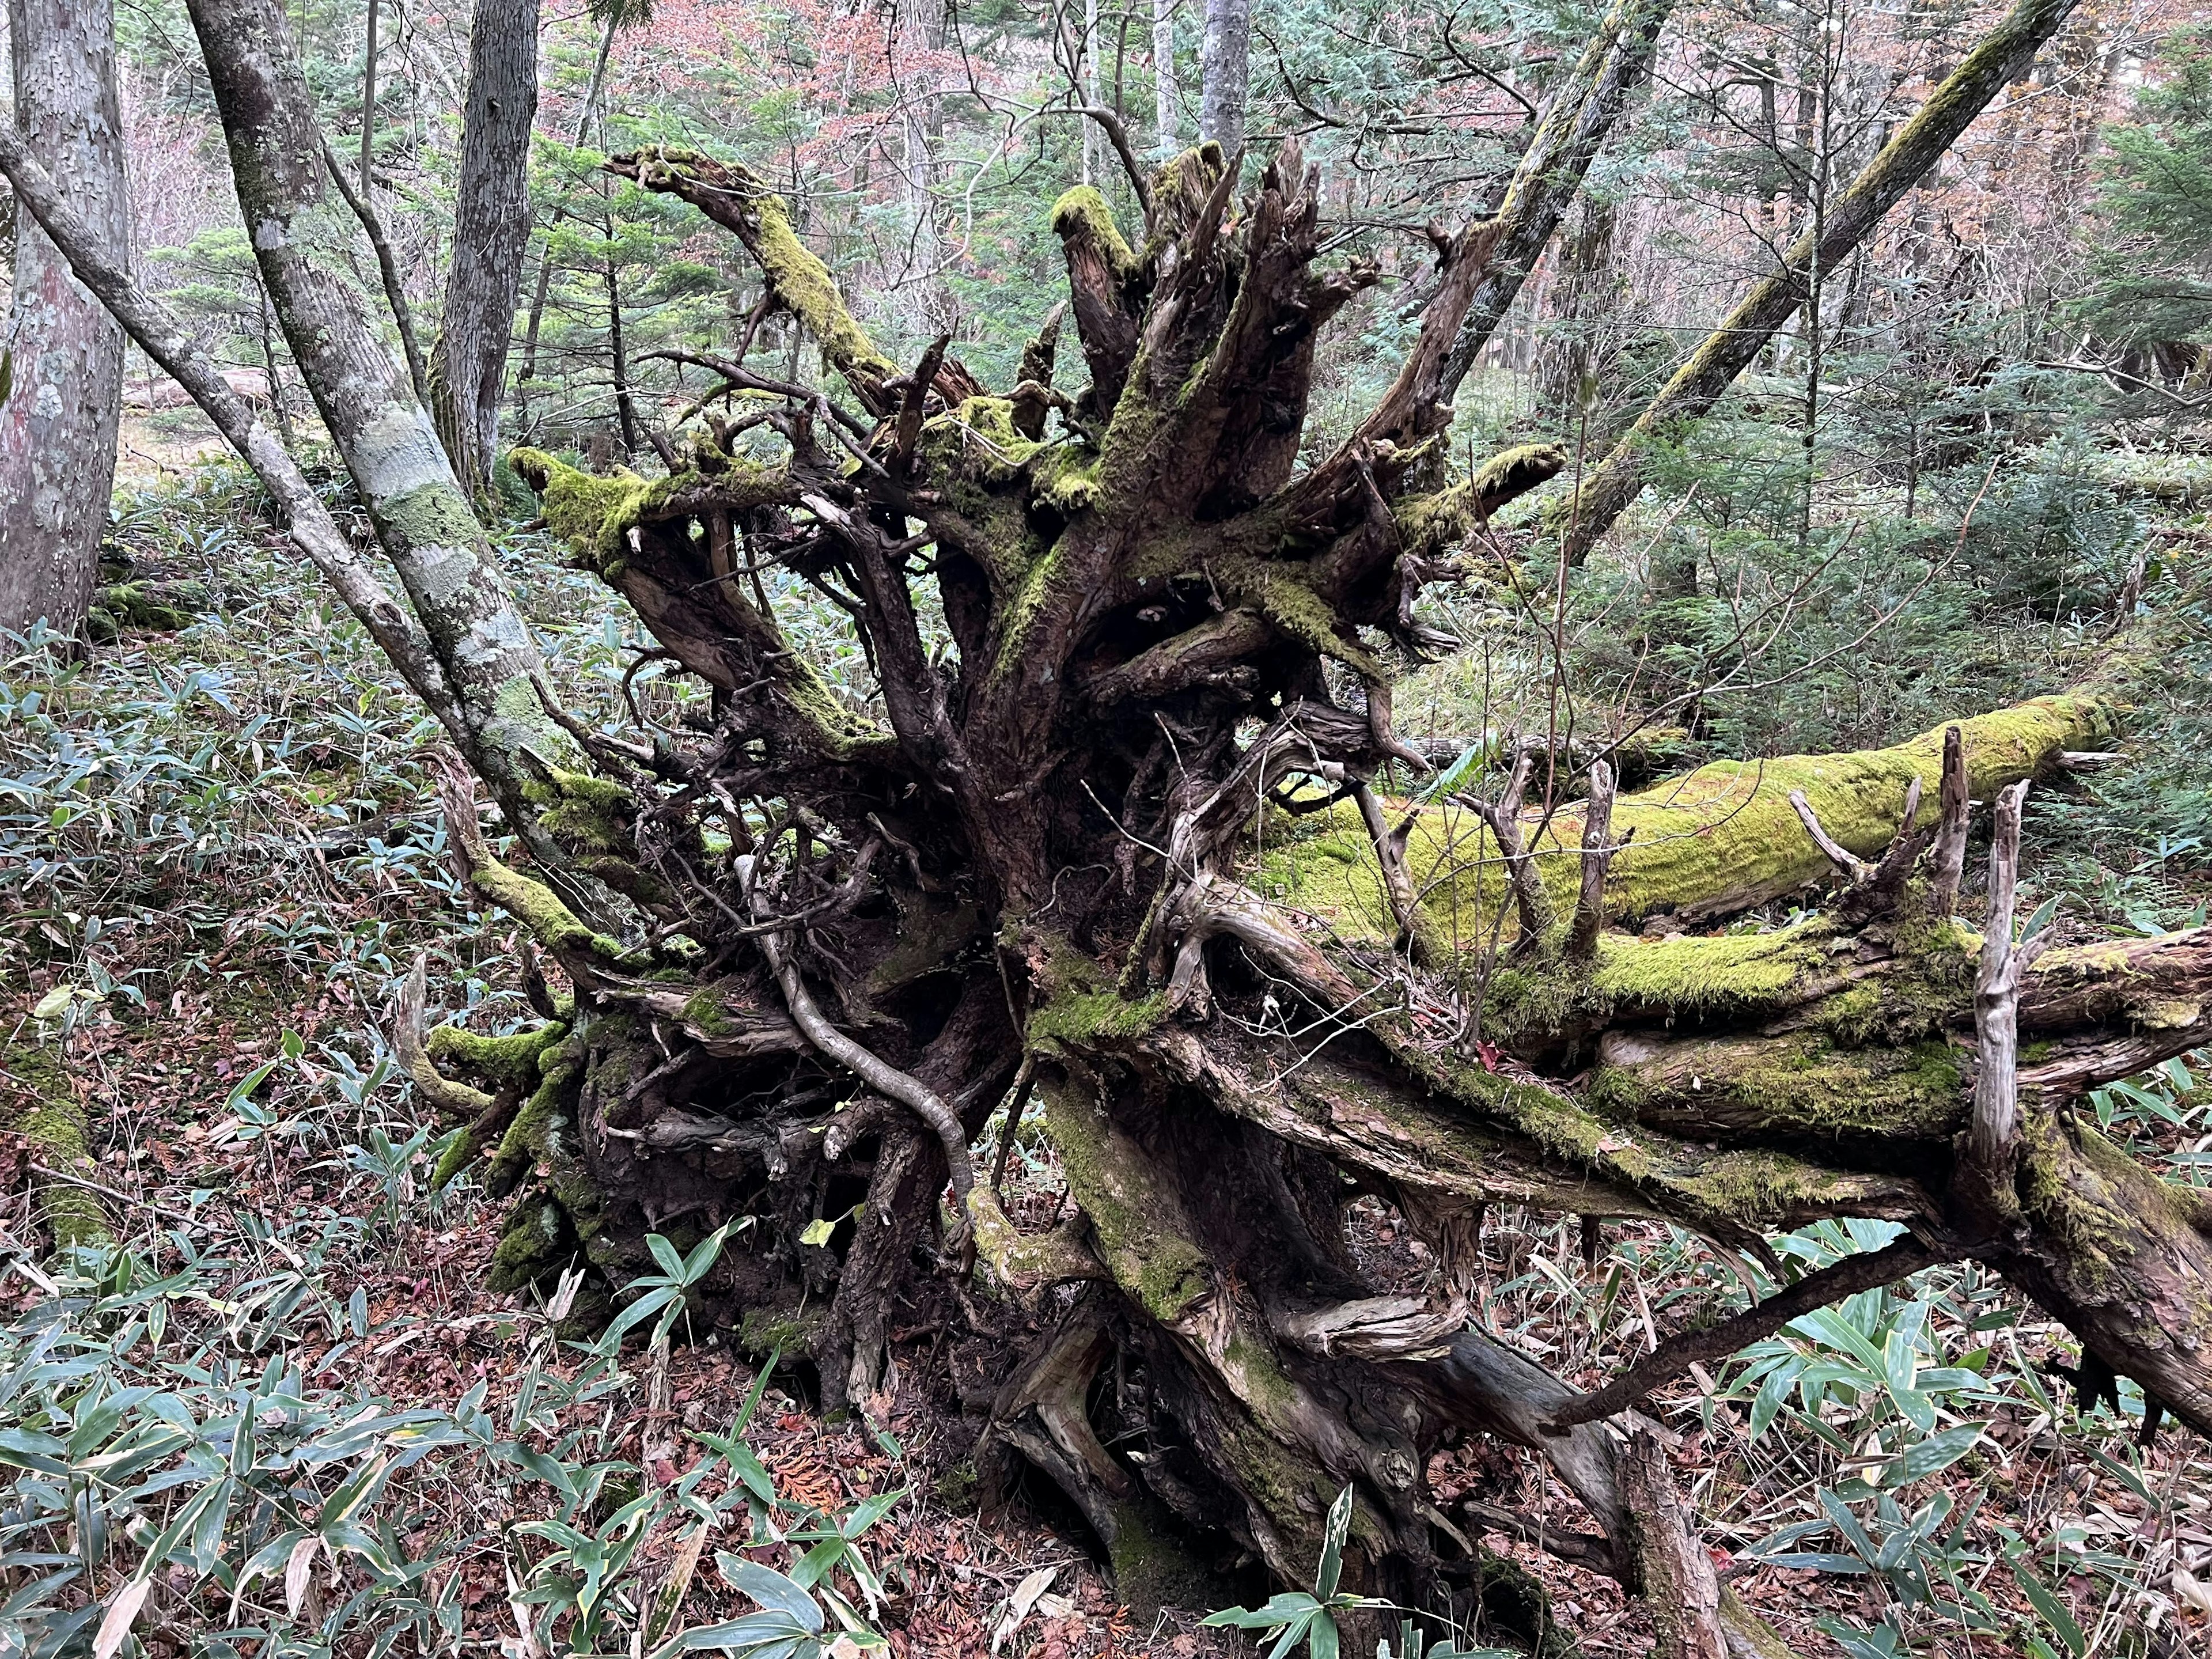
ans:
(1986, 1173)
(1883, 889)
(1531, 904)
(452, 1101)
(1397, 879)
(1908, 819)
(1598, 848)
(1949, 855)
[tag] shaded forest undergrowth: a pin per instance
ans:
(220, 854)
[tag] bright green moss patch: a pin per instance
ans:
(595, 515)
(587, 814)
(803, 282)
(1138, 1227)
(1687, 974)
(1085, 1017)
(1799, 1083)
(499, 1059)
(1081, 215)
(1719, 839)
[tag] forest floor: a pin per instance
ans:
(220, 853)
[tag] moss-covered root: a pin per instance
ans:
(2120, 1256)
(40, 1106)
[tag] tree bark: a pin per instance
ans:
(1577, 120)
(165, 338)
(423, 516)
(491, 227)
(1167, 117)
(1900, 164)
(58, 424)
(1226, 75)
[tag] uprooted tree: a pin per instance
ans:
(1115, 845)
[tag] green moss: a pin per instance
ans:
(539, 909)
(1152, 1569)
(584, 812)
(502, 1059)
(535, 1244)
(537, 1123)
(1798, 1083)
(162, 607)
(459, 1153)
(594, 515)
(1428, 524)
(1722, 837)
(1762, 1190)
(1139, 1228)
(1686, 974)
(803, 282)
(1280, 590)
(703, 1011)
(1084, 1018)
(53, 1128)
(764, 1331)
(430, 515)
(1081, 216)
(1065, 477)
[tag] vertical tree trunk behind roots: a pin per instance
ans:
(1226, 75)
(491, 227)
(1167, 115)
(58, 426)
(304, 246)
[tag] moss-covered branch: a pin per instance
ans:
(734, 196)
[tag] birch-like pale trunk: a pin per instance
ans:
(302, 235)
(58, 426)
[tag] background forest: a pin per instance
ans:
(255, 1395)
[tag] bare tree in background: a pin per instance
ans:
(57, 425)
(1166, 92)
(491, 227)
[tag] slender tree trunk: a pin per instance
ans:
(1917, 145)
(387, 269)
(491, 228)
(368, 104)
(1167, 118)
(303, 243)
(167, 340)
(58, 426)
(1577, 119)
(618, 356)
(1225, 69)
